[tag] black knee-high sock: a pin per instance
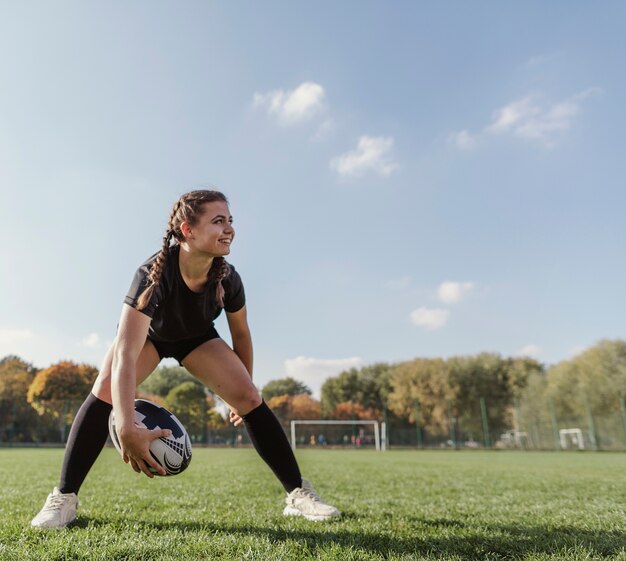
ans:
(271, 443)
(85, 442)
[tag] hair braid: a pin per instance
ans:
(219, 270)
(154, 277)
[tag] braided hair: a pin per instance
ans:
(187, 209)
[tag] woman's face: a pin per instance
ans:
(213, 232)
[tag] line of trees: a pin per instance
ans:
(33, 402)
(464, 394)
(429, 390)
(472, 396)
(39, 405)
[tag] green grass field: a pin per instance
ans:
(397, 505)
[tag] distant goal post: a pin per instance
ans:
(319, 422)
(575, 436)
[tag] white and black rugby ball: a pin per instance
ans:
(172, 452)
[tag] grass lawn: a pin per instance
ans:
(397, 505)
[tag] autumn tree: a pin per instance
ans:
(55, 388)
(349, 410)
(281, 407)
(304, 406)
(289, 407)
(422, 382)
(17, 417)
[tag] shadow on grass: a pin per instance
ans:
(471, 541)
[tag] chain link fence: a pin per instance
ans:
(544, 429)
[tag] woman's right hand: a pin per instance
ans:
(135, 444)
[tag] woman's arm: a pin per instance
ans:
(242, 345)
(135, 442)
(240, 334)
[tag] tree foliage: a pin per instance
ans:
(349, 410)
(284, 386)
(301, 406)
(215, 420)
(62, 382)
(369, 386)
(280, 406)
(56, 389)
(533, 402)
(437, 388)
(518, 393)
(520, 371)
(471, 378)
(16, 375)
(596, 377)
(190, 403)
(165, 378)
(422, 382)
(16, 414)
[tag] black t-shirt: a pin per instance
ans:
(177, 312)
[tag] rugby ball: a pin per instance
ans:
(172, 452)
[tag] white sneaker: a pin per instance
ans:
(304, 501)
(58, 512)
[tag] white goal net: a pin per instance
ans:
(348, 434)
(571, 438)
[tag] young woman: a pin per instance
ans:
(168, 312)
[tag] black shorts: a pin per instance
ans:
(180, 349)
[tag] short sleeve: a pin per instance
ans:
(139, 284)
(235, 296)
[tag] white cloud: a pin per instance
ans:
(530, 120)
(314, 371)
(527, 119)
(532, 351)
(91, 341)
(451, 292)
(47, 346)
(294, 106)
(463, 140)
(509, 116)
(10, 335)
(430, 318)
(372, 154)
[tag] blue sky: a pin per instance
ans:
(407, 179)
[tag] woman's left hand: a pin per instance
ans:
(235, 418)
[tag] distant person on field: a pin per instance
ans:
(168, 312)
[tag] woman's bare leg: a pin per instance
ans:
(219, 368)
